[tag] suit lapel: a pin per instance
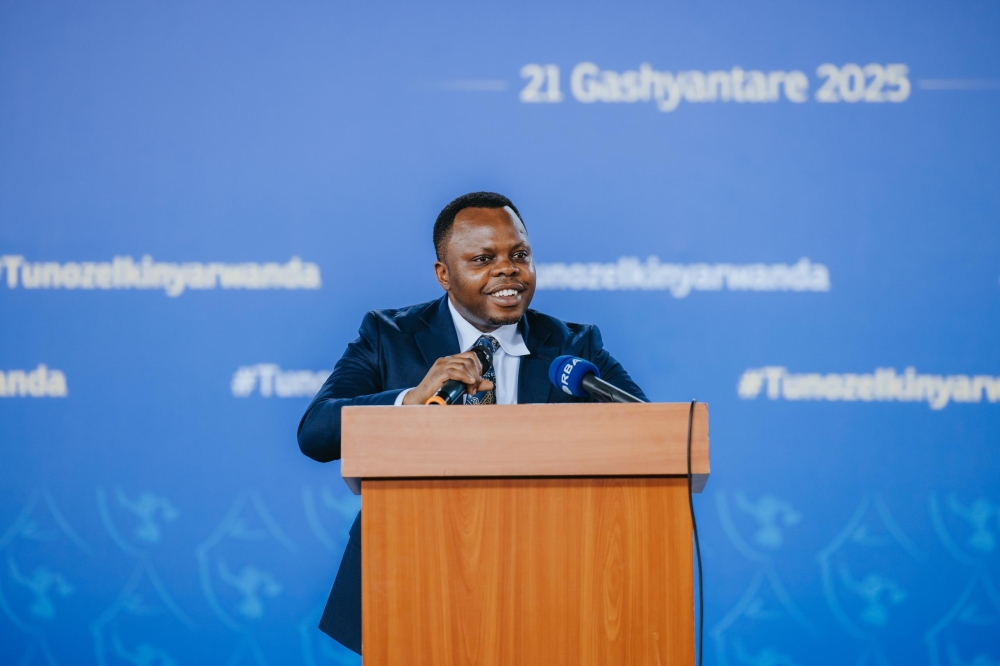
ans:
(533, 384)
(439, 338)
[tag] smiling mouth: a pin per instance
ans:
(508, 296)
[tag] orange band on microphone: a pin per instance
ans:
(435, 400)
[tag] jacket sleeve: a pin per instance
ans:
(356, 380)
(611, 370)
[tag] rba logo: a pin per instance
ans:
(268, 379)
(41, 382)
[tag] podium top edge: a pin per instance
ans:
(562, 439)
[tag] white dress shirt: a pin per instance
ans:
(506, 359)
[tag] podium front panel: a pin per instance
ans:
(527, 571)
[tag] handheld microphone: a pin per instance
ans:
(582, 379)
(451, 391)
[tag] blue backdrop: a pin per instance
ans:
(787, 210)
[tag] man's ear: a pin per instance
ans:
(441, 273)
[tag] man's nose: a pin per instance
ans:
(505, 267)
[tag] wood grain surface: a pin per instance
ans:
(527, 571)
(580, 439)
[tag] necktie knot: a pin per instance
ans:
(490, 341)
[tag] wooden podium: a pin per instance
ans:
(526, 534)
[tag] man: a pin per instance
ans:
(403, 356)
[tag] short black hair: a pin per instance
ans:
(446, 218)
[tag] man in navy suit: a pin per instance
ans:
(403, 356)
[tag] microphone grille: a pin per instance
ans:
(567, 372)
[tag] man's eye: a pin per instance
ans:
(481, 259)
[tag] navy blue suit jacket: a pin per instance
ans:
(393, 352)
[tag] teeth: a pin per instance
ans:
(505, 292)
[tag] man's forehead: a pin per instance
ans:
(487, 225)
(476, 214)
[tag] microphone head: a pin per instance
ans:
(485, 354)
(567, 372)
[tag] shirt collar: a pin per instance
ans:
(510, 339)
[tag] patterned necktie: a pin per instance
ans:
(486, 397)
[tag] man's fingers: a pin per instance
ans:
(462, 373)
(468, 364)
(465, 357)
(464, 368)
(472, 356)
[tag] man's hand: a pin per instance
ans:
(464, 367)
